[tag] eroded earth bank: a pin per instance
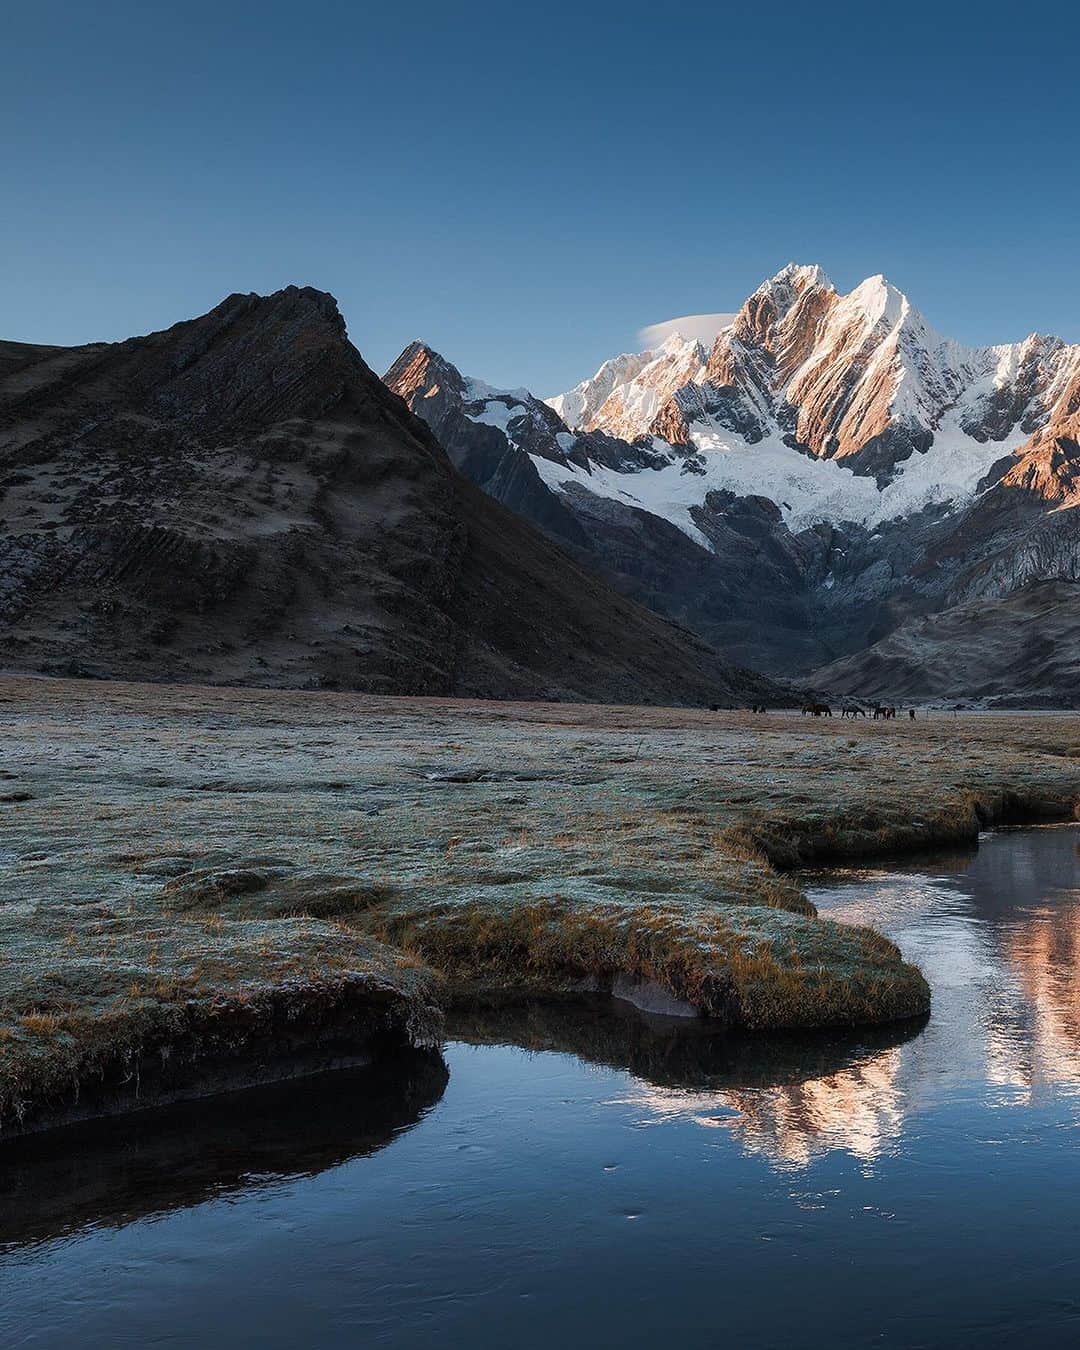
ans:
(212, 887)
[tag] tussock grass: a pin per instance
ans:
(792, 841)
(746, 966)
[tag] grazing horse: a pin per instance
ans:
(881, 711)
(817, 709)
(852, 712)
(758, 708)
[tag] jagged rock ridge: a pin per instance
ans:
(860, 378)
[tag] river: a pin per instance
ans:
(598, 1181)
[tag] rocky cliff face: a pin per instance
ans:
(860, 378)
(239, 499)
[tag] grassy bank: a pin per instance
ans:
(103, 1010)
(210, 886)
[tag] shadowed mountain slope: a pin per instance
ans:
(1020, 650)
(239, 499)
(738, 580)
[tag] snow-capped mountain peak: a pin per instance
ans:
(626, 394)
(823, 467)
(794, 278)
(837, 407)
(879, 300)
(861, 379)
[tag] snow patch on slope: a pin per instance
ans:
(807, 490)
(475, 390)
(496, 413)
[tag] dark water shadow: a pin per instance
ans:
(107, 1173)
(954, 860)
(675, 1052)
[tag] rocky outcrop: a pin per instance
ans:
(721, 404)
(239, 499)
(494, 454)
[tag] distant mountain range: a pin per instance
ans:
(239, 499)
(828, 492)
(819, 489)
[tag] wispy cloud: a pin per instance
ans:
(704, 327)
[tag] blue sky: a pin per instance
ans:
(527, 186)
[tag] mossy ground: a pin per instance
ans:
(168, 850)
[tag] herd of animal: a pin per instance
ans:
(882, 713)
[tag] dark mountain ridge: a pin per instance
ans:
(239, 499)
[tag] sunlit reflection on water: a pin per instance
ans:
(997, 934)
(857, 1109)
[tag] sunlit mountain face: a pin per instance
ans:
(1045, 955)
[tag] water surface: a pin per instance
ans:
(610, 1184)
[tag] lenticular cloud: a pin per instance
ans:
(702, 327)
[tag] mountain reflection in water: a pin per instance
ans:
(788, 1097)
(997, 934)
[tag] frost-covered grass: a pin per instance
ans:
(98, 1005)
(190, 871)
(748, 965)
